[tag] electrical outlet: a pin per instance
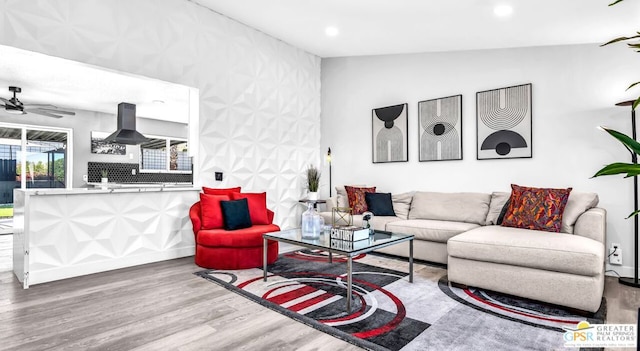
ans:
(85, 177)
(615, 254)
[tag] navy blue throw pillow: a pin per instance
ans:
(235, 214)
(379, 204)
(503, 212)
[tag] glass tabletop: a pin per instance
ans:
(379, 239)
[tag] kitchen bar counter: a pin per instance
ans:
(63, 233)
(101, 188)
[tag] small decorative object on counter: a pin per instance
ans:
(105, 175)
(341, 216)
(312, 223)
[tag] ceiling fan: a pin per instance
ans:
(15, 106)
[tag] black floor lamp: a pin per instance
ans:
(634, 158)
(329, 160)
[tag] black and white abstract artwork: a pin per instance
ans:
(390, 137)
(504, 123)
(99, 146)
(440, 132)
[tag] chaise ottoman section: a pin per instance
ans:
(558, 268)
(557, 252)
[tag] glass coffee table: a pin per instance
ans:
(378, 240)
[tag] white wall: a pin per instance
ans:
(574, 90)
(259, 97)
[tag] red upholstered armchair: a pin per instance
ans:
(236, 249)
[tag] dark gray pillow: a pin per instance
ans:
(379, 204)
(503, 212)
(235, 214)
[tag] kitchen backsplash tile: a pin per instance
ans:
(123, 173)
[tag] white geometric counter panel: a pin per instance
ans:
(78, 234)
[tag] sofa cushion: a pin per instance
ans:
(379, 204)
(536, 208)
(257, 203)
(431, 230)
(235, 214)
(210, 211)
(248, 237)
(459, 207)
(402, 204)
(577, 204)
(356, 198)
(557, 252)
(221, 191)
(498, 199)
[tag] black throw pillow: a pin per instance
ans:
(503, 212)
(235, 214)
(379, 204)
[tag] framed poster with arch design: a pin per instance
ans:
(440, 132)
(389, 134)
(504, 123)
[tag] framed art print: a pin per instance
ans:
(440, 132)
(389, 134)
(504, 122)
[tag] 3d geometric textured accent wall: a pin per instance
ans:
(82, 233)
(259, 97)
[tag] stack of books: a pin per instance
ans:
(350, 233)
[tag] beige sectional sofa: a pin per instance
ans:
(458, 229)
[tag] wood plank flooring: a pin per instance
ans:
(163, 306)
(6, 252)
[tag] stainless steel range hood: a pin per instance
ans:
(126, 132)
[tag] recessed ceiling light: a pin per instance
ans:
(159, 102)
(503, 10)
(331, 31)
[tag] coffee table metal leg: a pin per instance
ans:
(411, 261)
(330, 257)
(349, 268)
(264, 258)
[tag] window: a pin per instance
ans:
(154, 155)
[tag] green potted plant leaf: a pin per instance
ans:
(630, 169)
(313, 182)
(105, 175)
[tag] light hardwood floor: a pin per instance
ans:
(6, 252)
(163, 306)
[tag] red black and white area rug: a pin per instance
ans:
(389, 313)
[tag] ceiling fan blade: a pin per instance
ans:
(51, 110)
(7, 102)
(44, 113)
(40, 105)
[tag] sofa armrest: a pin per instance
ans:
(270, 215)
(592, 224)
(194, 214)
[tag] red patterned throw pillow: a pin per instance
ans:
(356, 198)
(536, 208)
